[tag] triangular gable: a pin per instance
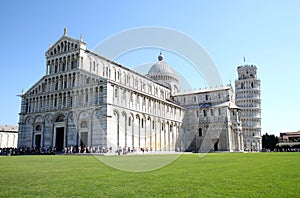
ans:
(78, 71)
(39, 82)
(63, 39)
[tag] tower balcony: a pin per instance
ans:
(251, 116)
(251, 129)
(248, 78)
(250, 91)
(257, 98)
(251, 108)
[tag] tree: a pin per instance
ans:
(269, 141)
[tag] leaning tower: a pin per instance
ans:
(247, 96)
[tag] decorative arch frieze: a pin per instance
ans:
(39, 119)
(29, 120)
(59, 117)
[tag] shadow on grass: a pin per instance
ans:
(138, 163)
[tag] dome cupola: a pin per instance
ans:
(160, 57)
(164, 74)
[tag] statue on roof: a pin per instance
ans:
(65, 31)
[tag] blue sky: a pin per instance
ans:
(265, 32)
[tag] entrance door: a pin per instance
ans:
(216, 145)
(59, 143)
(38, 139)
(83, 139)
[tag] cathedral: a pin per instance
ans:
(88, 101)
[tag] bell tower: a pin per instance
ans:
(247, 96)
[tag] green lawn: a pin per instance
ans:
(215, 175)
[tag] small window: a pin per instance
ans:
(116, 92)
(212, 112)
(60, 118)
(83, 124)
(86, 98)
(219, 110)
(200, 132)
(118, 75)
(204, 113)
(131, 97)
(56, 85)
(129, 121)
(65, 85)
(38, 128)
(124, 95)
(206, 97)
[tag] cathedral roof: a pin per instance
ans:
(203, 90)
(229, 104)
(8, 128)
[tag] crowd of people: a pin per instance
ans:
(25, 151)
(70, 150)
(94, 150)
(50, 150)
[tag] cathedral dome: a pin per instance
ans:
(161, 68)
(164, 74)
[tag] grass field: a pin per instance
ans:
(215, 175)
